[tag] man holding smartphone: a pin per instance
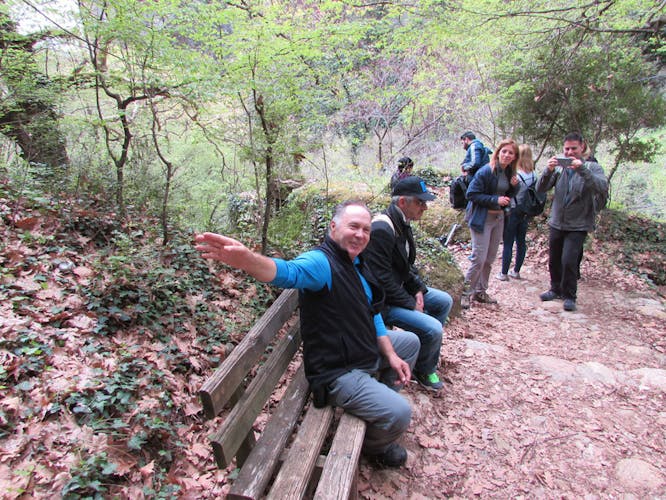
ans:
(572, 214)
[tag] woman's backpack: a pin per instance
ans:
(533, 202)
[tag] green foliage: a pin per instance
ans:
(303, 221)
(642, 149)
(150, 287)
(242, 210)
(638, 243)
(90, 478)
(31, 349)
(103, 407)
(582, 81)
(300, 224)
(432, 176)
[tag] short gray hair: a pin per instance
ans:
(340, 208)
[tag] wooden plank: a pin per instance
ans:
(264, 458)
(241, 418)
(339, 477)
(293, 478)
(248, 442)
(221, 385)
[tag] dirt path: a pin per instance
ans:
(543, 403)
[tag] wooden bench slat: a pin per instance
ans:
(339, 477)
(219, 388)
(260, 465)
(294, 476)
(240, 420)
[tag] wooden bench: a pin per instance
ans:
(288, 453)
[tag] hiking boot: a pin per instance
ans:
(484, 298)
(514, 274)
(502, 277)
(569, 305)
(394, 456)
(430, 382)
(549, 295)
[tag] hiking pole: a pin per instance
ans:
(445, 242)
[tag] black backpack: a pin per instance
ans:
(533, 202)
(457, 191)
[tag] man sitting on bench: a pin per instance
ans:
(351, 359)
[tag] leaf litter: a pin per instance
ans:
(538, 402)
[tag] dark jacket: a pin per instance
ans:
(337, 325)
(573, 201)
(391, 254)
(481, 196)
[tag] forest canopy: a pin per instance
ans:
(178, 106)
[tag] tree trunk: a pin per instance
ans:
(27, 114)
(269, 134)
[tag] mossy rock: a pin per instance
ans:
(304, 218)
(437, 266)
(440, 217)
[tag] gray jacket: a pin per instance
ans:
(573, 201)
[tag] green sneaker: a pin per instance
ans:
(430, 382)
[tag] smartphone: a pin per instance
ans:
(563, 161)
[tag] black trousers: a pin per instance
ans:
(565, 252)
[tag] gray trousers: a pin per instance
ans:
(386, 412)
(484, 252)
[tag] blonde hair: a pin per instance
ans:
(494, 160)
(525, 159)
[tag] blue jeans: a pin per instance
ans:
(386, 412)
(427, 325)
(515, 230)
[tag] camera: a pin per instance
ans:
(563, 161)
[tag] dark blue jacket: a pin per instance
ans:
(476, 157)
(481, 196)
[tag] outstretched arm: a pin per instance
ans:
(235, 254)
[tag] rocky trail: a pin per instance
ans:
(543, 403)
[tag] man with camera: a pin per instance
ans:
(572, 214)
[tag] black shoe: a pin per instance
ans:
(569, 305)
(394, 456)
(549, 295)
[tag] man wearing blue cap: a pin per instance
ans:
(409, 304)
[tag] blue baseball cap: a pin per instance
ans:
(413, 186)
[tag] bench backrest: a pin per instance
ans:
(227, 383)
